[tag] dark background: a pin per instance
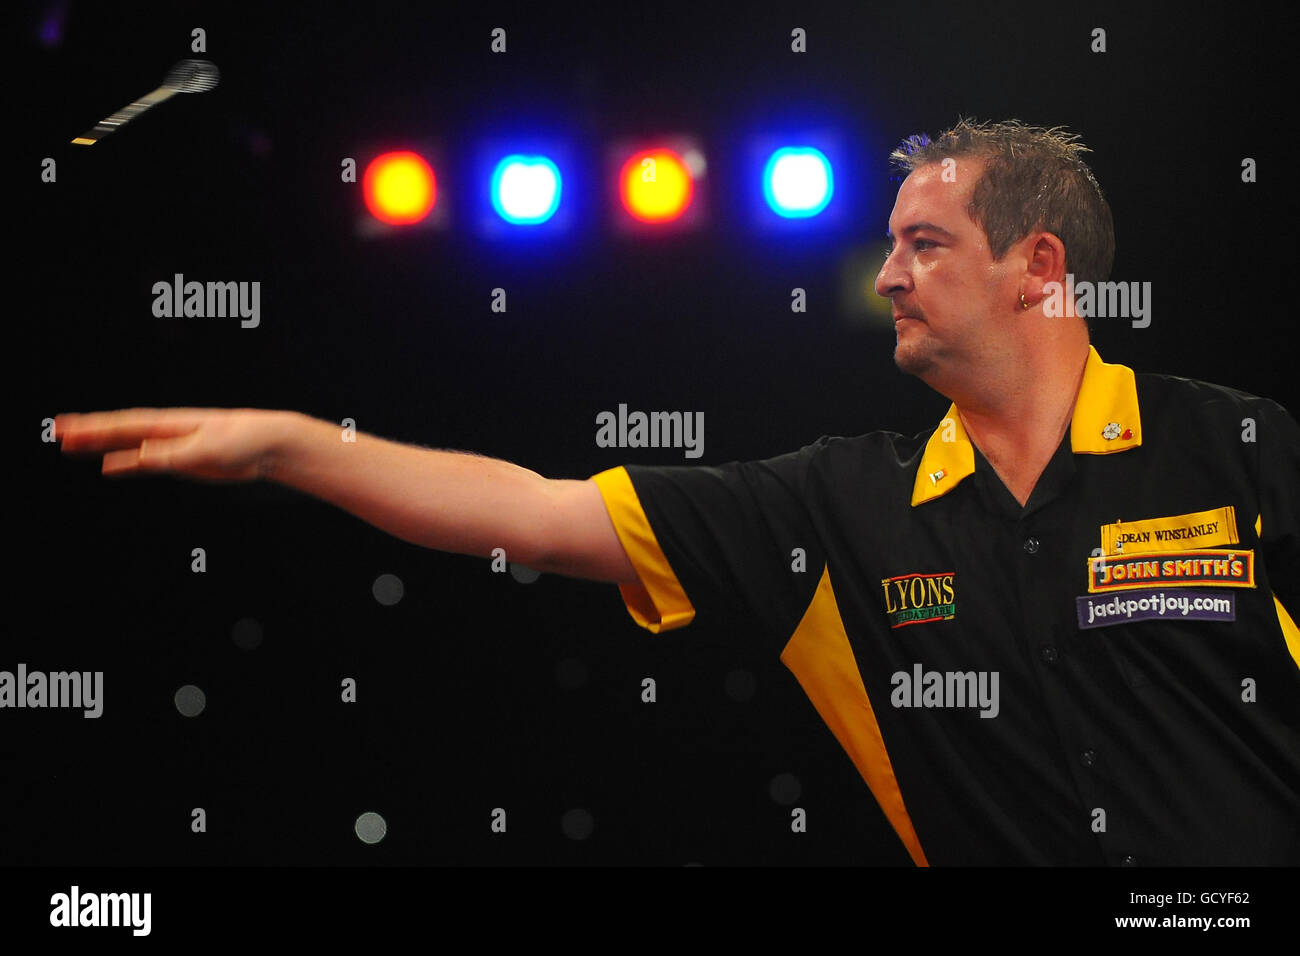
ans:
(463, 702)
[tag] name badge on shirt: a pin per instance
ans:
(1201, 529)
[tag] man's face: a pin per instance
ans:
(950, 297)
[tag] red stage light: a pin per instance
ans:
(400, 188)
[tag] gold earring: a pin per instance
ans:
(1023, 303)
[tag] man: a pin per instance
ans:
(1058, 629)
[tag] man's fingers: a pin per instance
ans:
(124, 429)
(152, 454)
(213, 444)
(122, 462)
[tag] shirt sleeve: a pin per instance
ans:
(718, 541)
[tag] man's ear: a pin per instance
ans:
(1045, 262)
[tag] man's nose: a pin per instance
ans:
(891, 279)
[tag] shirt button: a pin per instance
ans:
(1129, 861)
(1048, 653)
(1031, 545)
(1089, 757)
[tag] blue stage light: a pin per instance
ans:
(798, 182)
(525, 189)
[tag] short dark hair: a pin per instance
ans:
(1035, 178)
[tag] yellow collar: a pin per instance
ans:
(1105, 421)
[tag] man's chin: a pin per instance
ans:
(913, 361)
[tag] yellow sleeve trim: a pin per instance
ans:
(658, 603)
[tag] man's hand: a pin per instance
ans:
(211, 444)
(451, 501)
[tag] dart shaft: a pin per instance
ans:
(124, 116)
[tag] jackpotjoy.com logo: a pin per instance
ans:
(1099, 300)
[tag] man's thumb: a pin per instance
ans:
(154, 454)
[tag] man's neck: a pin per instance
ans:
(1018, 428)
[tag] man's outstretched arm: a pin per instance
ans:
(450, 501)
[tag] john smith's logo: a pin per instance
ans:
(917, 598)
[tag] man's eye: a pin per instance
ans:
(919, 244)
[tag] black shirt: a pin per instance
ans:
(1107, 675)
